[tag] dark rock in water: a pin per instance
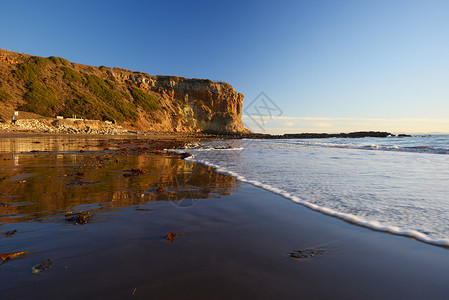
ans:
(134, 172)
(78, 218)
(158, 189)
(184, 155)
(404, 135)
(44, 265)
(144, 209)
(306, 253)
(171, 236)
(10, 233)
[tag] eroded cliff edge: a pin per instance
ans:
(48, 87)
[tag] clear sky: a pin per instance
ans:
(328, 66)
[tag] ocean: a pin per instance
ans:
(398, 185)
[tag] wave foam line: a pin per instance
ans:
(415, 149)
(214, 149)
(375, 225)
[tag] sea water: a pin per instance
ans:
(395, 184)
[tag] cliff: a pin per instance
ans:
(47, 87)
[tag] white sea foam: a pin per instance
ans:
(327, 211)
(215, 149)
(418, 149)
(396, 191)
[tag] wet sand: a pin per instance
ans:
(233, 240)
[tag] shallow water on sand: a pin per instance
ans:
(232, 240)
(45, 176)
(397, 185)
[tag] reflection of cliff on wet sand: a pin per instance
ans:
(70, 143)
(46, 143)
(44, 184)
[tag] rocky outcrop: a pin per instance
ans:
(207, 105)
(7, 59)
(136, 100)
(65, 126)
(357, 134)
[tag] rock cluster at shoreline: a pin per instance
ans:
(357, 134)
(79, 126)
(68, 126)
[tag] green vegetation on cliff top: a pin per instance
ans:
(40, 99)
(59, 61)
(103, 91)
(147, 101)
(72, 75)
(4, 96)
(86, 95)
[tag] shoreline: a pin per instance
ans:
(96, 127)
(234, 247)
(236, 244)
(351, 219)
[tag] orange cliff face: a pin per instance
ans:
(209, 106)
(54, 86)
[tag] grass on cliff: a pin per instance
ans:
(104, 68)
(72, 76)
(4, 96)
(40, 99)
(96, 107)
(202, 80)
(90, 108)
(147, 101)
(30, 70)
(59, 61)
(103, 91)
(100, 89)
(91, 97)
(85, 95)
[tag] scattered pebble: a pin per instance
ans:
(170, 237)
(306, 253)
(10, 233)
(78, 218)
(44, 265)
(158, 189)
(134, 172)
(143, 209)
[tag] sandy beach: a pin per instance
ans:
(233, 150)
(230, 240)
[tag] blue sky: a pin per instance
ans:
(329, 66)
